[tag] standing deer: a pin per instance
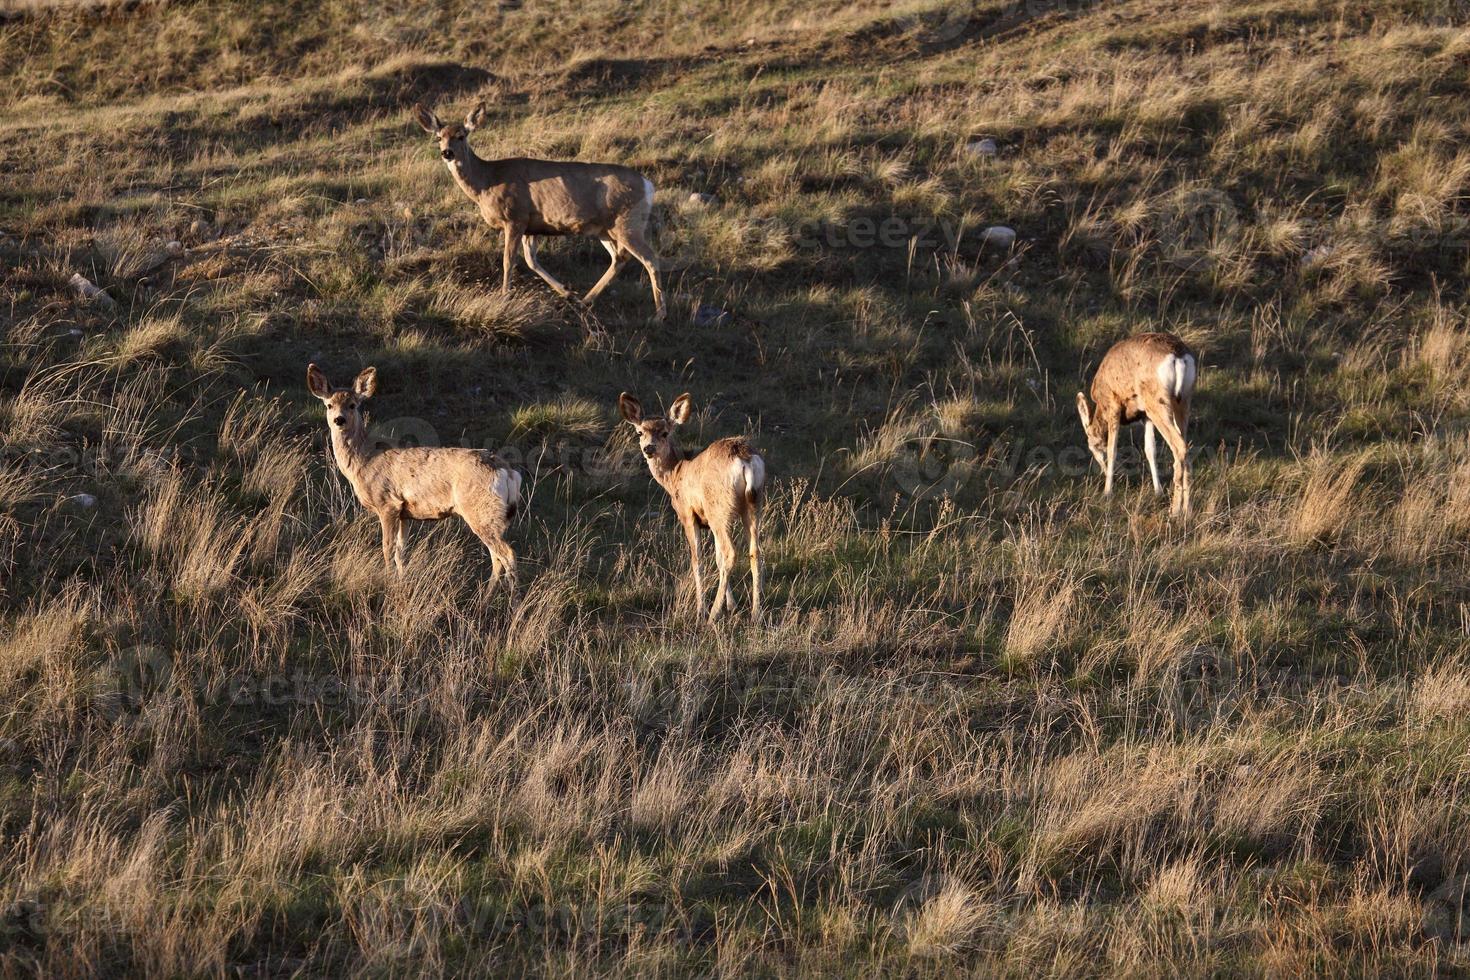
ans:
(420, 483)
(527, 199)
(708, 490)
(1148, 377)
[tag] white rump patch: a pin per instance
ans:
(1176, 374)
(507, 485)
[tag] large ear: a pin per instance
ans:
(631, 408)
(426, 119)
(1083, 411)
(679, 411)
(476, 118)
(316, 382)
(366, 383)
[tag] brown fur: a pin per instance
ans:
(1128, 388)
(421, 484)
(711, 489)
(527, 199)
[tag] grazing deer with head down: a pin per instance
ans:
(710, 490)
(528, 199)
(1150, 378)
(419, 483)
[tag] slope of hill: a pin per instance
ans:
(996, 722)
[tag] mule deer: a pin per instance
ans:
(709, 490)
(1148, 377)
(528, 199)
(421, 483)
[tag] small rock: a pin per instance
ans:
(710, 316)
(982, 148)
(362, 200)
(87, 289)
(1317, 257)
(174, 249)
(703, 200)
(83, 500)
(74, 332)
(998, 236)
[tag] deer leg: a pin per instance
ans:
(724, 558)
(392, 524)
(645, 256)
(512, 241)
(1112, 458)
(619, 259)
(528, 249)
(502, 556)
(752, 520)
(1172, 434)
(1151, 450)
(691, 534)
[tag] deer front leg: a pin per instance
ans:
(512, 242)
(392, 524)
(691, 534)
(1112, 458)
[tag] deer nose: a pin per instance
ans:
(340, 420)
(648, 451)
(447, 154)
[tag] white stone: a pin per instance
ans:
(87, 289)
(982, 148)
(998, 236)
(84, 500)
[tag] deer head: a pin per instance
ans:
(656, 435)
(344, 405)
(453, 139)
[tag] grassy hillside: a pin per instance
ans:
(995, 723)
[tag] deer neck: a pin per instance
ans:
(667, 470)
(353, 453)
(472, 174)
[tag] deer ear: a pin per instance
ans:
(366, 383)
(631, 408)
(316, 382)
(1083, 411)
(679, 411)
(426, 119)
(476, 118)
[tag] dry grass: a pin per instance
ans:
(995, 724)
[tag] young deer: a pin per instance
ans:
(419, 484)
(1148, 377)
(527, 199)
(709, 490)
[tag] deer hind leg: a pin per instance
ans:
(1151, 450)
(724, 560)
(752, 531)
(620, 258)
(1171, 428)
(643, 252)
(502, 556)
(691, 534)
(528, 249)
